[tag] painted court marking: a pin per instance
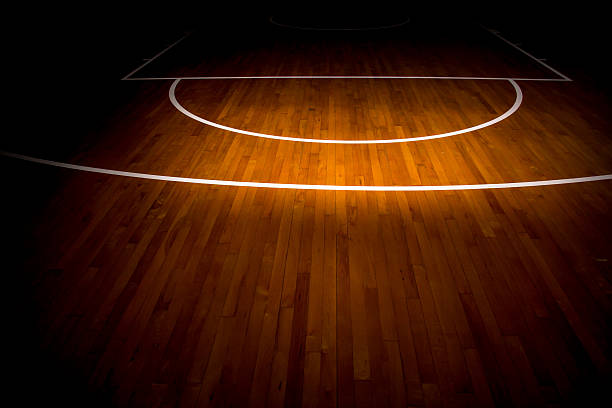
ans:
(173, 78)
(150, 60)
(458, 187)
(513, 108)
(326, 187)
(538, 60)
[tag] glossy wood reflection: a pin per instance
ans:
(157, 294)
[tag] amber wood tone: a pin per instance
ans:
(147, 293)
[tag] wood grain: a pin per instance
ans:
(151, 293)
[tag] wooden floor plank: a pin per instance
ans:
(163, 294)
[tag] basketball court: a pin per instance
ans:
(342, 213)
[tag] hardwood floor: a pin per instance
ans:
(147, 293)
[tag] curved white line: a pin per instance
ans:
(337, 29)
(514, 108)
(307, 186)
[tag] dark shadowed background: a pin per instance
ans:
(64, 64)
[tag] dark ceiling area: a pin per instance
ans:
(102, 37)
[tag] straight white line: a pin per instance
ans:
(345, 77)
(513, 108)
(457, 187)
(538, 60)
(149, 60)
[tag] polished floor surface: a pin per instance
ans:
(153, 293)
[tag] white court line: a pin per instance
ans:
(148, 61)
(457, 187)
(337, 29)
(539, 61)
(563, 78)
(513, 108)
(345, 77)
